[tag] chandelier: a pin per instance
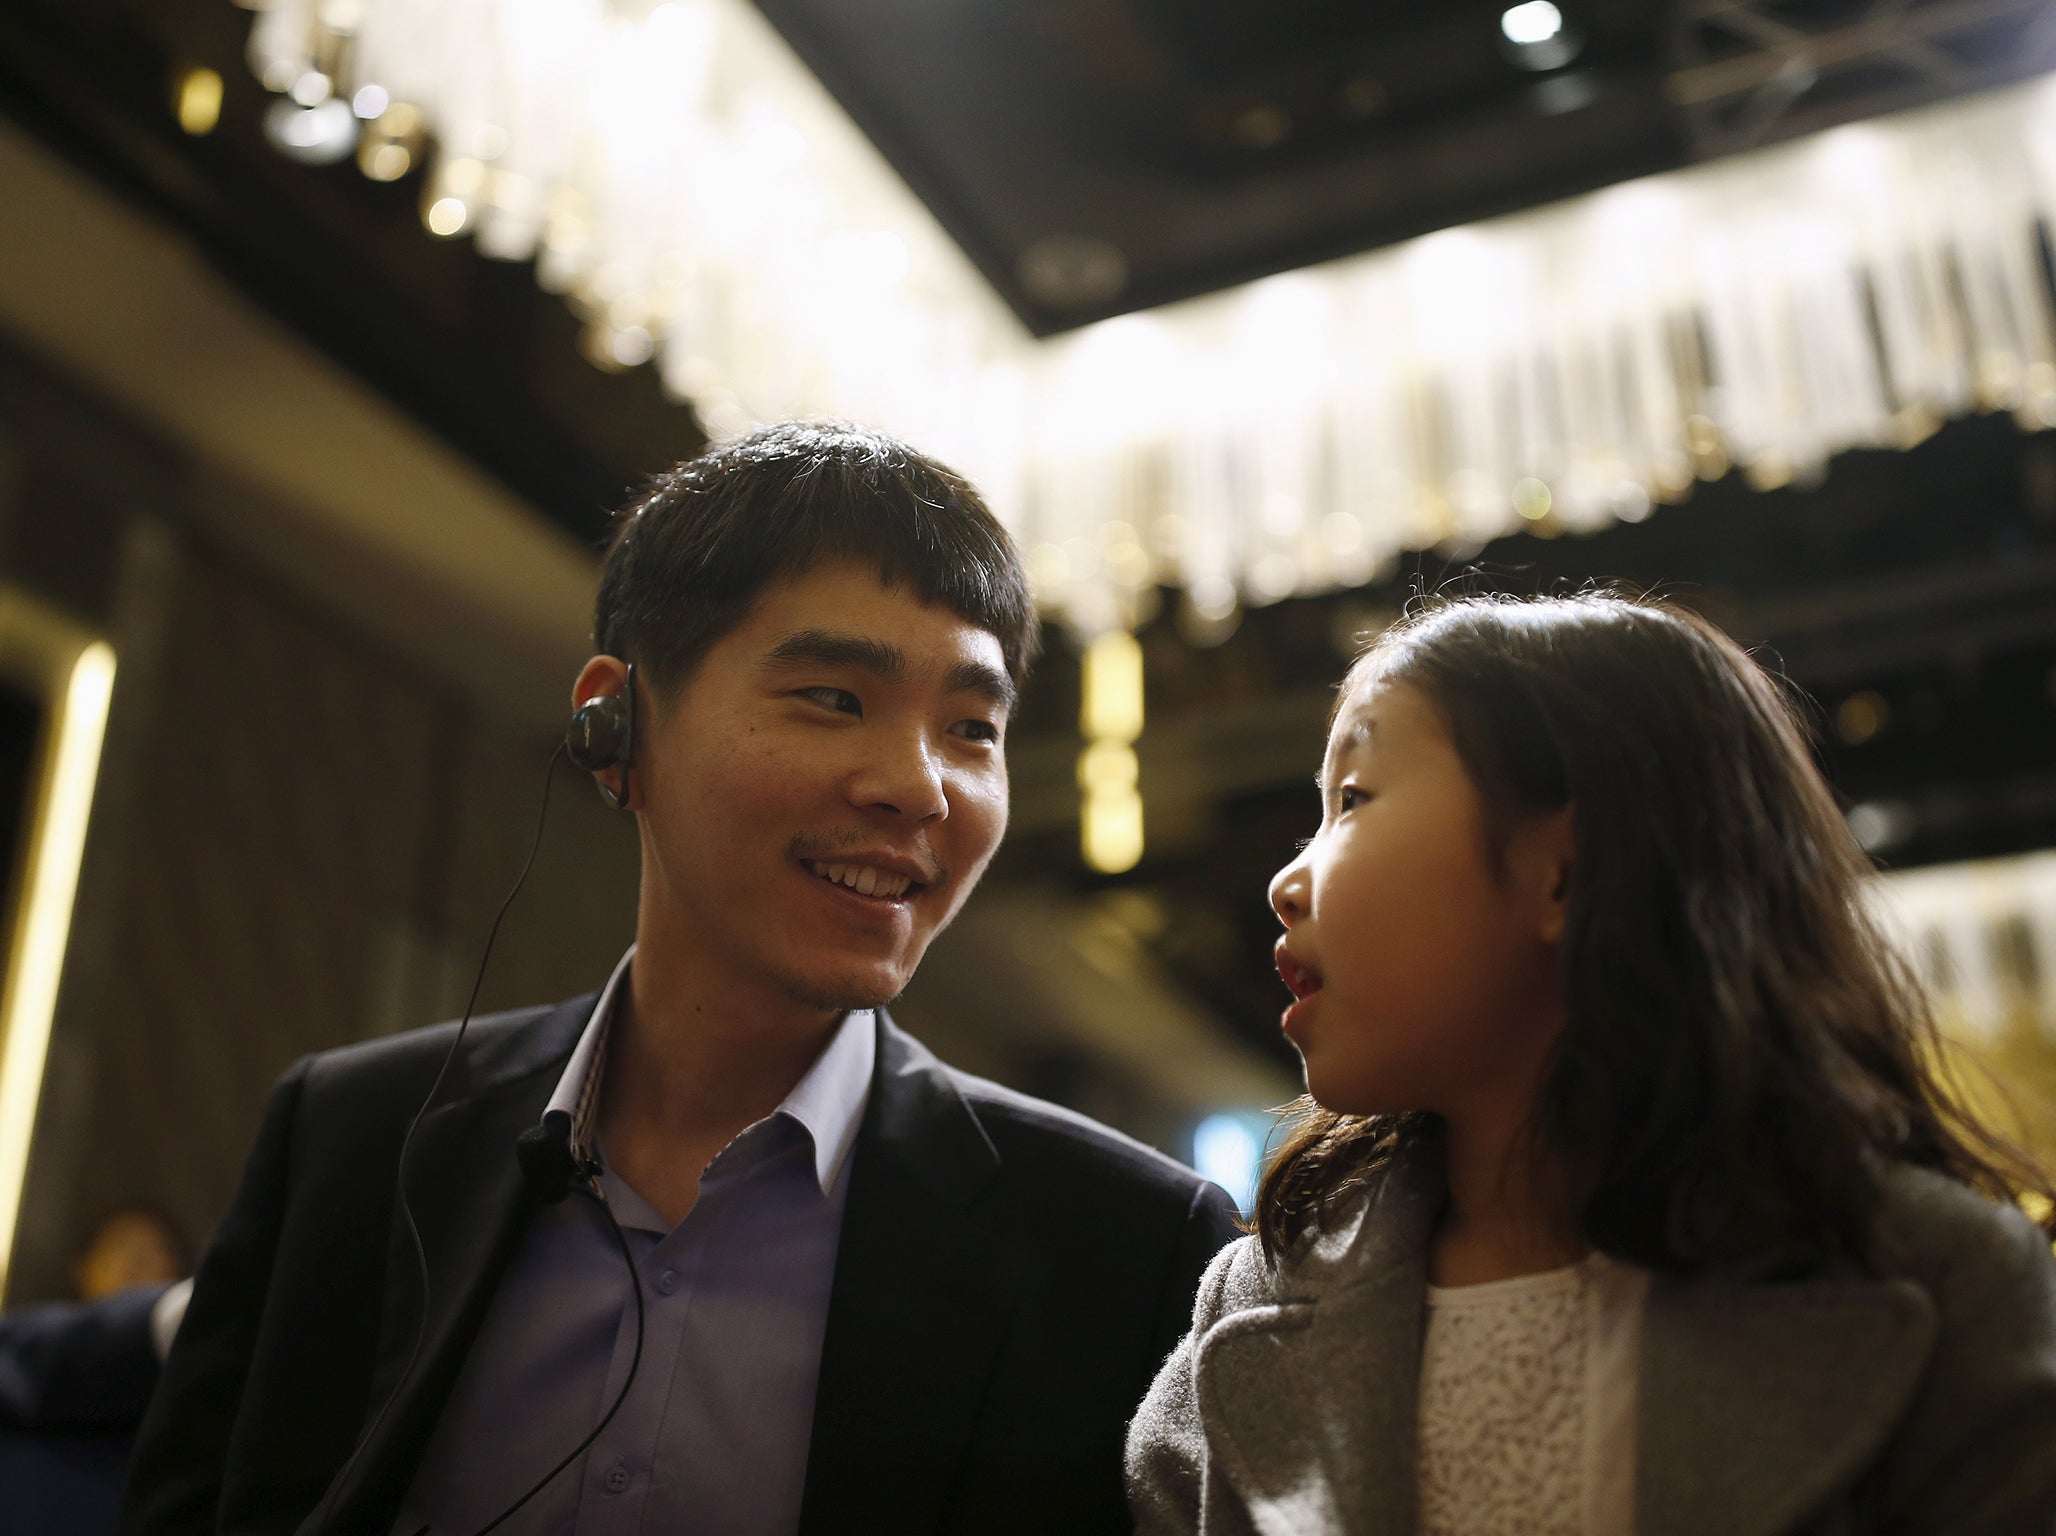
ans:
(708, 209)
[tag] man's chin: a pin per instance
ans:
(845, 994)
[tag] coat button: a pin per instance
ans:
(667, 1282)
(617, 1477)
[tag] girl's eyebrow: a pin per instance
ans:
(1350, 736)
(1357, 733)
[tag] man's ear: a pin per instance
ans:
(1541, 855)
(600, 675)
(603, 676)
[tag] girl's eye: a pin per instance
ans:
(841, 700)
(1348, 798)
(977, 730)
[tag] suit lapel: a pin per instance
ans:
(1757, 1401)
(921, 1295)
(1310, 1404)
(470, 1207)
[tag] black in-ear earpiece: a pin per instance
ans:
(602, 735)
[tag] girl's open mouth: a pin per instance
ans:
(1302, 979)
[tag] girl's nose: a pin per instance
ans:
(1289, 891)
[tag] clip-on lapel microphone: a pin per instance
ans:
(548, 1165)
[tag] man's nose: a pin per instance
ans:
(1289, 890)
(904, 774)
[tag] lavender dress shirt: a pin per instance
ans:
(712, 1439)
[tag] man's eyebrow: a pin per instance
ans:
(835, 648)
(989, 682)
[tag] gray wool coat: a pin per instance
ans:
(1922, 1400)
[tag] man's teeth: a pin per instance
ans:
(862, 879)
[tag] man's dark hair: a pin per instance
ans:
(691, 555)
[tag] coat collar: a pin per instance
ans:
(1309, 1402)
(1758, 1401)
(1755, 1401)
(924, 1283)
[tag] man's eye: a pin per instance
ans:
(840, 700)
(977, 730)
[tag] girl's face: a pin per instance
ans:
(1424, 968)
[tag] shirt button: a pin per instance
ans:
(617, 1477)
(667, 1282)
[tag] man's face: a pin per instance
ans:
(823, 792)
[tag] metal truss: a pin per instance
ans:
(1745, 72)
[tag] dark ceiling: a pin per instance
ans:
(1096, 156)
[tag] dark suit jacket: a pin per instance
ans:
(1010, 1276)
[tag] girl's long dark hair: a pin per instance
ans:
(1745, 1054)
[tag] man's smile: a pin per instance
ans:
(866, 879)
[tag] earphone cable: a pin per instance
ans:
(634, 1364)
(428, 1100)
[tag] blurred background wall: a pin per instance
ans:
(326, 749)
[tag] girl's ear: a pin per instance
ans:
(1540, 856)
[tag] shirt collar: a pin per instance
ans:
(828, 1102)
(576, 1102)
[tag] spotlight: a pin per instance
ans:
(312, 88)
(1534, 35)
(1537, 21)
(632, 346)
(199, 101)
(319, 135)
(447, 217)
(616, 348)
(384, 160)
(1531, 498)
